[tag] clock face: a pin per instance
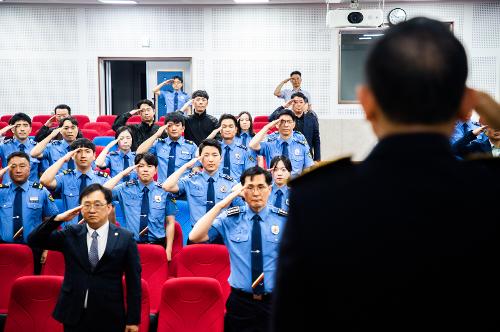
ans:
(397, 15)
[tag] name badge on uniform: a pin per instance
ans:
(184, 152)
(33, 199)
(286, 202)
(297, 152)
(223, 189)
(237, 156)
(157, 198)
(275, 229)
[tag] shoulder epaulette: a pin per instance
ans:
(235, 210)
(56, 142)
(4, 185)
(272, 138)
(192, 174)
(113, 153)
(32, 141)
(241, 146)
(131, 183)
(8, 140)
(103, 174)
(51, 198)
(189, 142)
(37, 185)
(300, 140)
(159, 185)
(68, 171)
(227, 177)
(161, 140)
(339, 163)
(279, 211)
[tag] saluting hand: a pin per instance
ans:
(193, 161)
(488, 109)
(129, 170)
(272, 124)
(69, 215)
(288, 104)
(236, 191)
(6, 129)
(479, 130)
(50, 122)
(161, 130)
(67, 157)
(55, 132)
(4, 170)
(131, 328)
(134, 112)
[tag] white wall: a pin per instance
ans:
(48, 55)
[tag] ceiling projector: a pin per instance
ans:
(354, 18)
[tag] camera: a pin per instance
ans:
(359, 18)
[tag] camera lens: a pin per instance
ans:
(355, 17)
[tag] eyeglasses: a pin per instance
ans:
(96, 205)
(286, 121)
(259, 188)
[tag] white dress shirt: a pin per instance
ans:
(102, 239)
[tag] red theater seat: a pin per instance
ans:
(177, 247)
(6, 117)
(32, 301)
(4, 124)
(82, 120)
(106, 118)
(261, 118)
(41, 118)
(35, 127)
(110, 132)
(162, 119)
(89, 133)
(191, 304)
(206, 260)
(154, 271)
(144, 325)
(54, 264)
(16, 260)
(100, 127)
(134, 119)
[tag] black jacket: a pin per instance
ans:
(310, 132)
(470, 145)
(45, 131)
(140, 132)
(199, 126)
(402, 241)
(105, 291)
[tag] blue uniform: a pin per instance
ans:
(10, 145)
(240, 158)
(129, 195)
(298, 152)
(68, 185)
(184, 152)
(168, 99)
(235, 227)
(54, 151)
(285, 193)
(195, 186)
(243, 139)
(36, 204)
(115, 162)
(461, 128)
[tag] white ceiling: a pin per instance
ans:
(191, 2)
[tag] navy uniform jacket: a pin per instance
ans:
(37, 204)
(311, 131)
(104, 284)
(391, 243)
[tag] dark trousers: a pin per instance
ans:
(245, 314)
(90, 324)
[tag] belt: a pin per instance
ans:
(160, 242)
(251, 296)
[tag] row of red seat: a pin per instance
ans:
(188, 304)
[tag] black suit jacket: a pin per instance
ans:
(140, 132)
(403, 241)
(469, 145)
(311, 131)
(105, 291)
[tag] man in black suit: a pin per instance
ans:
(96, 254)
(405, 240)
(471, 146)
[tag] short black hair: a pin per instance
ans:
(177, 77)
(295, 72)
(122, 129)
(300, 95)
(108, 195)
(286, 111)
(253, 171)
(284, 159)
(82, 143)
(148, 157)
(200, 93)
(210, 142)
(63, 106)
(18, 154)
(250, 130)
(19, 117)
(145, 101)
(417, 72)
(70, 119)
(175, 117)
(228, 116)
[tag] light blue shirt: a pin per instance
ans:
(460, 131)
(184, 152)
(37, 204)
(285, 204)
(54, 151)
(298, 152)
(129, 195)
(240, 158)
(244, 136)
(235, 227)
(68, 185)
(195, 187)
(115, 162)
(286, 94)
(10, 145)
(167, 97)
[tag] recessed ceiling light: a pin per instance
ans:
(251, 1)
(118, 2)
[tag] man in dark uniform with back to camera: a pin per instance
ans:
(97, 255)
(400, 249)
